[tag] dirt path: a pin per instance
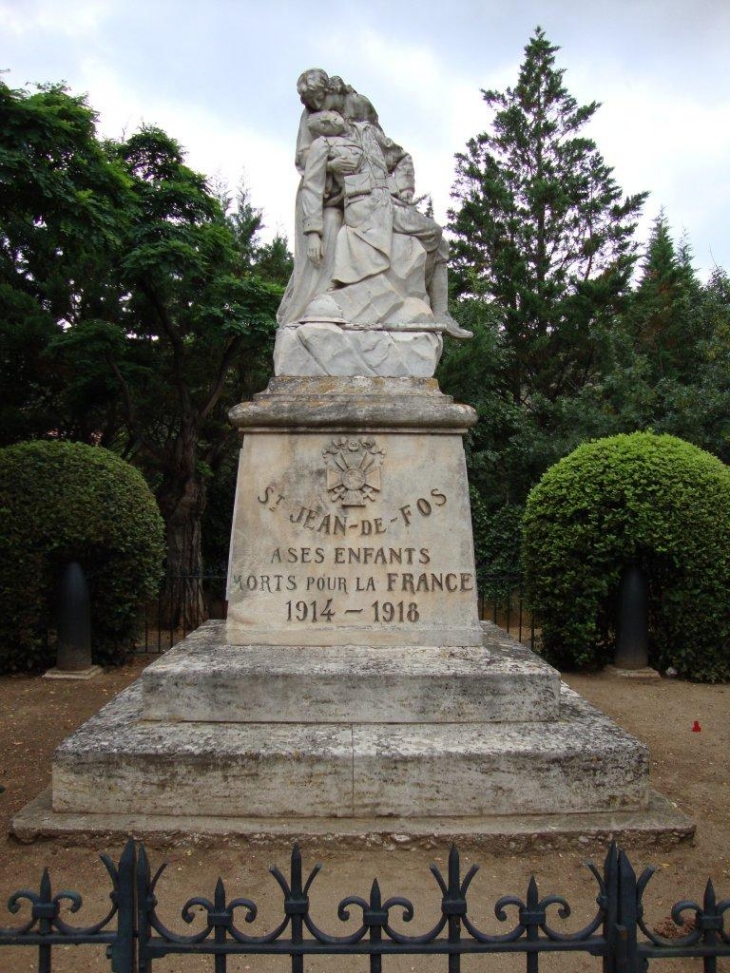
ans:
(689, 767)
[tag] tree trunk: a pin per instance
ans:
(182, 498)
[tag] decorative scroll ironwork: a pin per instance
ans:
(136, 936)
(45, 927)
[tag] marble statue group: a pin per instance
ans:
(366, 258)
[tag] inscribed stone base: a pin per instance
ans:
(352, 522)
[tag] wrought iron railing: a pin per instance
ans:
(502, 601)
(184, 603)
(618, 934)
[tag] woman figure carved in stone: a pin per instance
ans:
(365, 257)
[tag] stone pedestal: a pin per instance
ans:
(352, 688)
(352, 522)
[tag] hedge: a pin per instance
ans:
(655, 501)
(62, 501)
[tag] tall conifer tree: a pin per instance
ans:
(543, 230)
(666, 315)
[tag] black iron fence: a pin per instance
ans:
(502, 601)
(186, 601)
(618, 935)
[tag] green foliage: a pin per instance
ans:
(68, 501)
(543, 254)
(652, 500)
(664, 315)
(670, 357)
(672, 370)
(496, 545)
(136, 308)
(218, 516)
(63, 205)
(543, 230)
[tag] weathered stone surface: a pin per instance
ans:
(204, 679)
(504, 785)
(337, 404)
(583, 762)
(117, 761)
(352, 534)
(319, 348)
(361, 539)
(658, 825)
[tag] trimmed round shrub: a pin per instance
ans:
(653, 501)
(62, 502)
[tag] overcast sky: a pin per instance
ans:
(220, 77)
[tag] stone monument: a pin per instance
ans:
(353, 688)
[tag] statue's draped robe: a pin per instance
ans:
(362, 246)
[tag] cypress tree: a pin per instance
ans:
(543, 230)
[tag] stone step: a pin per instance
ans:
(205, 680)
(659, 825)
(118, 762)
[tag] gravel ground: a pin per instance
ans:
(689, 766)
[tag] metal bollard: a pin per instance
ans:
(632, 641)
(73, 620)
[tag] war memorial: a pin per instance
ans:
(353, 689)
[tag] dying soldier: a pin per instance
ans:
(351, 163)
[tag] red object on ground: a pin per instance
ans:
(696, 728)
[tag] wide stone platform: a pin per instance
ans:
(166, 744)
(657, 825)
(206, 679)
(582, 762)
(173, 755)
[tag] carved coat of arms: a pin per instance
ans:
(353, 470)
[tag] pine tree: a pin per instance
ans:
(665, 315)
(543, 230)
(544, 241)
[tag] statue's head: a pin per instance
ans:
(360, 109)
(326, 123)
(337, 86)
(313, 86)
